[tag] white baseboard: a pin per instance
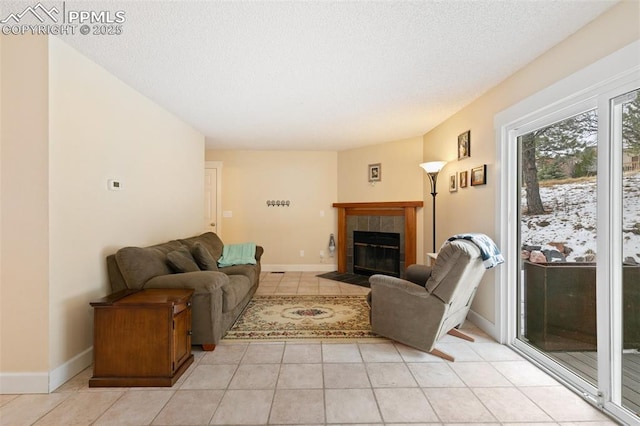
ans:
(70, 368)
(319, 267)
(484, 324)
(16, 383)
(24, 382)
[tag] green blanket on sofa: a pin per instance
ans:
(238, 254)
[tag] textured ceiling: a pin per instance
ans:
(324, 75)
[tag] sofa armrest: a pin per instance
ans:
(259, 251)
(378, 282)
(200, 281)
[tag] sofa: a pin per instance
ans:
(221, 293)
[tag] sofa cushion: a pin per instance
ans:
(180, 260)
(203, 258)
(234, 291)
(138, 265)
(211, 241)
(249, 271)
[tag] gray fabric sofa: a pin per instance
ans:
(220, 293)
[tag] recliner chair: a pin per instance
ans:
(432, 302)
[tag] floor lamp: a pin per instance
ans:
(433, 168)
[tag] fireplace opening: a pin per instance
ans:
(376, 253)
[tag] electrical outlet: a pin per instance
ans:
(301, 253)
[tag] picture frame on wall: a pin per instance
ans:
(375, 172)
(453, 182)
(479, 175)
(462, 179)
(464, 145)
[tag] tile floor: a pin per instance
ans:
(316, 383)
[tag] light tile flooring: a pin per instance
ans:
(316, 383)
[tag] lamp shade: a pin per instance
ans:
(433, 166)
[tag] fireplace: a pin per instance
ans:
(376, 253)
(389, 216)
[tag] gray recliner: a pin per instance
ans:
(431, 302)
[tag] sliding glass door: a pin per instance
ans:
(625, 131)
(576, 234)
(558, 241)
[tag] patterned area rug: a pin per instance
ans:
(303, 317)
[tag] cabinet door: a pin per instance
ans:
(181, 337)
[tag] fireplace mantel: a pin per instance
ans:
(389, 208)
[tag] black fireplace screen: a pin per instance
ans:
(376, 253)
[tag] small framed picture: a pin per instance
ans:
(462, 178)
(464, 145)
(453, 182)
(375, 172)
(479, 175)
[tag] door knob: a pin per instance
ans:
(213, 224)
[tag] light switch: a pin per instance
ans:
(227, 213)
(114, 185)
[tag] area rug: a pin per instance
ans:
(346, 277)
(303, 317)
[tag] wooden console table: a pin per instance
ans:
(141, 337)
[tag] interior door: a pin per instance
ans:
(211, 199)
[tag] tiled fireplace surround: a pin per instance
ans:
(375, 224)
(398, 217)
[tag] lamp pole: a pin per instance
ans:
(433, 178)
(433, 168)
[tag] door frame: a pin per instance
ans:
(218, 166)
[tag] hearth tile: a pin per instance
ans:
(351, 406)
(190, 407)
(458, 405)
(263, 353)
(297, 407)
(379, 352)
(296, 353)
(345, 376)
(135, 408)
(340, 352)
(435, 375)
(300, 376)
(255, 376)
(225, 354)
(234, 408)
(210, 377)
(404, 405)
(390, 375)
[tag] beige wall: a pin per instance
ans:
(24, 301)
(308, 179)
(92, 128)
(474, 209)
(402, 178)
